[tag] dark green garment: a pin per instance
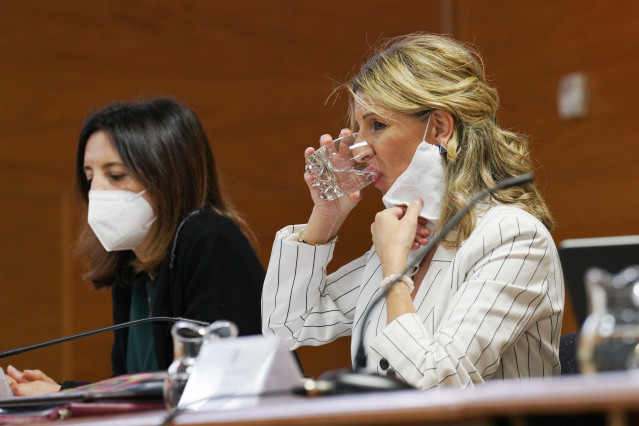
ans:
(140, 348)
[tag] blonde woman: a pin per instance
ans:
(487, 303)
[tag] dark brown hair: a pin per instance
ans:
(164, 147)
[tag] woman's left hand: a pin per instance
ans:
(395, 232)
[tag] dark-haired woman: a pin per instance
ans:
(160, 233)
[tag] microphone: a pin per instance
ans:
(360, 381)
(17, 351)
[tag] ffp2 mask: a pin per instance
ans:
(120, 219)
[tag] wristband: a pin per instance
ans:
(386, 282)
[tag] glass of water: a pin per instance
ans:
(342, 167)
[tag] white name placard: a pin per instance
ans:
(231, 373)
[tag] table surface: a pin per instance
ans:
(611, 394)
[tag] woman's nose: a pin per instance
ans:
(97, 184)
(361, 151)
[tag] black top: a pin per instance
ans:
(210, 273)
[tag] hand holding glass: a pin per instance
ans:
(342, 167)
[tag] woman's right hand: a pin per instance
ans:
(327, 216)
(395, 232)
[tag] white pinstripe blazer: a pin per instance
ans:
(491, 309)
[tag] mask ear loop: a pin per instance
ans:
(430, 114)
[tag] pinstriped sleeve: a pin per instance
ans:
(300, 303)
(500, 318)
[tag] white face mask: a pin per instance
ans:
(424, 178)
(120, 219)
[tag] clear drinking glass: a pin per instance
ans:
(341, 167)
(221, 329)
(609, 338)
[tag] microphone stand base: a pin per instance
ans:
(360, 382)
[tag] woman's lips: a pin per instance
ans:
(378, 177)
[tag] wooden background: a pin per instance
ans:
(258, 73)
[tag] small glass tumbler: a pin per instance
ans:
(342, 167)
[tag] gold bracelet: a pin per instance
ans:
(302, 240)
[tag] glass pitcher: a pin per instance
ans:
(609, 338)
(187, 341)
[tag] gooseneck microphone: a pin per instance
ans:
(17, 351)
(360, 381)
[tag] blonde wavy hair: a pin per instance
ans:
(418, 73)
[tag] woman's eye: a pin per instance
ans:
(378, 125)
(116, 177)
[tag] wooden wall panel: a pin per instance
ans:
(30, 278)
(258, 74)
(587, 167)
